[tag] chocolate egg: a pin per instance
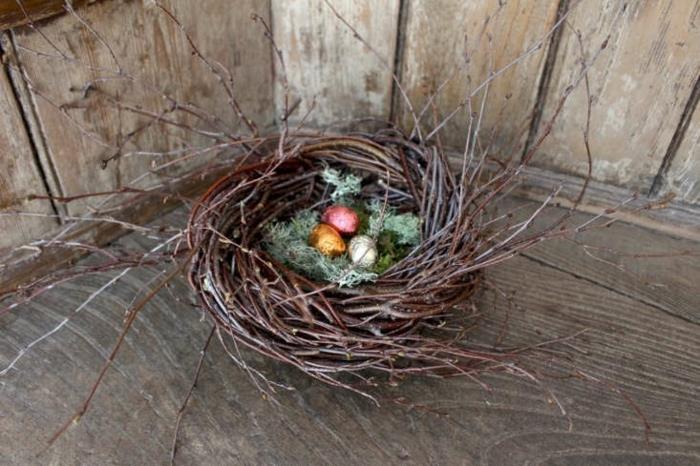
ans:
(327, 240)
(343, 219)
(363, 251)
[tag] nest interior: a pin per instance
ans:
(393, 324)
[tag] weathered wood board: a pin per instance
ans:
(332, 72)
(640, 86)
(15, 13)
(19, 177)
(467, 41)
(683, 177)
(149, 46)
(641, 83)
(648, 353)
(663, 276)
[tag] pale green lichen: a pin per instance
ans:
(344, 186)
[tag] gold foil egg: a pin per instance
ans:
(327, 240)
(363, 251)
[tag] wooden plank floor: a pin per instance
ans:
(642, 317)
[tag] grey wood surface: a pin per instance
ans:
(635, 112)
(455, 46)
(17, 13)
(332, 75)
(642, 335)
(19, 177)
(644, 87)
(146, 45)
(683, 176)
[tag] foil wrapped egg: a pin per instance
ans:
(343, 219)
(363, 251)
(327, 240)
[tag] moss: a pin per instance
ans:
(406, 227)
(390, 252)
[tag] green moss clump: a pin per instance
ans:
(390, 252)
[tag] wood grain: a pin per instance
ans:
(672, 217)
(333, 73)
(149, 46)
(640, 86)
(326, 64)
(19, 176)
(683, 177)
(648, 353)
(630, 262)
(102, 233)
(468, 41)
(14, 13)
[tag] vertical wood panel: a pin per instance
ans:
(151, 47)
(640, 86)
(326, 64)
(683, 177)
(19, 176)
(438, 38)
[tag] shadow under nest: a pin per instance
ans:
(400, 324)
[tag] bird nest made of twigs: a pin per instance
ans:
(392, 324)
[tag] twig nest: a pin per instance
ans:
(324, 330)
(327, 240)
(343, 219)
(363, 251)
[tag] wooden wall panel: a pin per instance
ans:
(328, 66)
(640, 86)
(19, 176)
(14, 13)
(438, 38)
(151, 47)
(683, 177)
(641, 83)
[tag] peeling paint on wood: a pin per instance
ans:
(640, 85)
(327, 67)
(470, 40)
(19, 176)
(151, 47)
(683, 177)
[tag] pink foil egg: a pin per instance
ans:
(343, 219)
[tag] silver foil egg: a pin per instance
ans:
(363, 251)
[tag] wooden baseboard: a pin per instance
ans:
(675, 218)
(104, 233)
